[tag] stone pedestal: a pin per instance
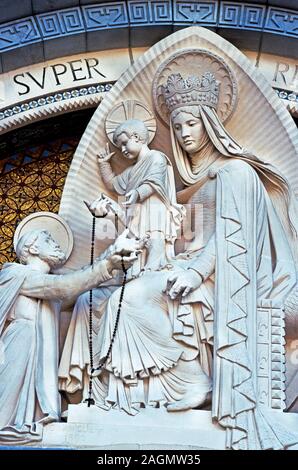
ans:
(93, 428)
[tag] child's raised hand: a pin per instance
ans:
(105, 154)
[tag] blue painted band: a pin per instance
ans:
(140, 13)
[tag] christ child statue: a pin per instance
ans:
(149, 189)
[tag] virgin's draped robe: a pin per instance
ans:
(162, 348)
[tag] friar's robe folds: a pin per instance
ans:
(29, 307)
(28, 369)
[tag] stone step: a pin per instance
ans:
(90, 428)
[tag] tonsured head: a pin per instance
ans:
(41, 244)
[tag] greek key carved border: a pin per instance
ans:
(137, 13)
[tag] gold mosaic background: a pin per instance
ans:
(29, 182)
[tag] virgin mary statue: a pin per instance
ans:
(195, 329)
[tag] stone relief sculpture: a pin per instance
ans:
(196, 329)
(205, 328)
(30, 301)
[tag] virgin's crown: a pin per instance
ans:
(193, 90)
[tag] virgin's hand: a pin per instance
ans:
(105, 154)
(182, 283)
(131, 197)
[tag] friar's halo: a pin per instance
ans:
(50, 222)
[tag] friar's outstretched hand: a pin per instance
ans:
(124, 245)
(126, 249)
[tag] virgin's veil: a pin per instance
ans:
(260, 122)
